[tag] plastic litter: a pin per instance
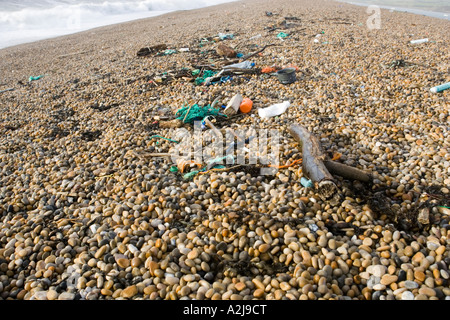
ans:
(224, 36)
(169, 51)
(273, 110)
(206, 74)
(213, 162)
(32, 78)
(256, 37)
(240, 65)
(246, 105)
(189, 114)
(419, 41)
(306, 182)
(282, 35)
(440, 88)
(161, 137)
(286, 75)
(183, 49)
(268, 70)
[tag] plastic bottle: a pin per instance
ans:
(274, 110)
(246, 105)
(440, 88)
(419, 41)
(241, 65)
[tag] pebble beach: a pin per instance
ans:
(85, 216)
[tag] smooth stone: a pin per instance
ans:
(378, 270)
(379, 287)
(427, 291)
(407, 295)
(129, 292)
(373, 280)
(172, 280)
(40, 295)
(66, 296)
(52, 295)
(411, 284)
(387, 279)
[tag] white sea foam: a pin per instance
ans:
(22, 22)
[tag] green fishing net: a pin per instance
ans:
(195, 113)
(206, 74)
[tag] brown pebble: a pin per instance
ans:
(419, 275)
(129, 292)
(387, 279)
(430, 292)
(106, 292)
(259, 293)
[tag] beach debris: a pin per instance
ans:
(282, 35)
(225, 36)
(240, 65)
(317, 166)
(257, 52)
(256, 37)
(273, 110)
(161, 137)
(226, 51)
(205, 78)
(246, 105)
(287, 75)
(440, 88)
(313, 166)
(183, 49)
(149, 50)
(233, 105)
(175, 123)
(183, 164)
(189, 114)
(33, 78)
(269, 69)
(419, 41)
(5, 90)
(306, 183)
(168, 52)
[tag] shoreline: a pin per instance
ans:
(433, 14)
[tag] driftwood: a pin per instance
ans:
(313, 166)
(255, 53)
(346, 172)
(317, 167)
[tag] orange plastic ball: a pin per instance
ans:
(246, 105)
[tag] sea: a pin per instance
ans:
(23, 21)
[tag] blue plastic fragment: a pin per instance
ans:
(306, 183)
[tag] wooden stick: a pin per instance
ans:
(255, 53)
(313, 166)
(346, 172)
